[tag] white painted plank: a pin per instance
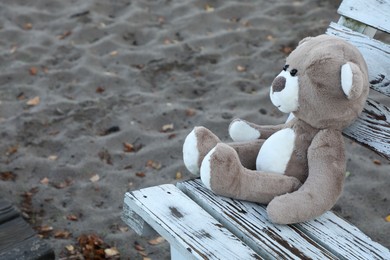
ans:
(375, 53)
(372, 128)
(136, 222)
(375, 13)
(249, 221)
(186, 226)
(343, 238)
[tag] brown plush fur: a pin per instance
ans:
(313, 178)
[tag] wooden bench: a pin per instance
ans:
(200, 225)
(17, 239)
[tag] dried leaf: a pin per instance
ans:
(52, 157)
(44, 231)
(241, 68)
(11, 150)
(171, 136)
(64, 35)
(377, 162)
(138, 246)
(209, 8)
(167, 128)
(45, 181)
(161, 20)
(128, 148)
(190, 112)
(95, 178)
(33, 71)
(72, 217)
(63, 184)
(123, 229)
(178, 176)
(153, 164)
(27, 26)
(246, 23)
(286, 49)
(140, 174)
(100, 90)
(62, 234)
(92, 245)
(34, 101)
(13, 49)
(70, 248)
(114, 53)
(168, 41)
(387, 218)
(110, 252)
(7, 176)
(139, 66)
(21, 96)
(270, 38)
(104, 155)
(156, 241)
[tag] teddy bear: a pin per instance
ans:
(297, 168)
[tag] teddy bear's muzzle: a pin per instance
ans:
(278, 84)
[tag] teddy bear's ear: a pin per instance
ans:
(351, 80)
(304, 40)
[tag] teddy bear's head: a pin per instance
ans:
(324, 83)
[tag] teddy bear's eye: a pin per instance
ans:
(285, 67)
(293, 72)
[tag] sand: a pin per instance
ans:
(96, 98)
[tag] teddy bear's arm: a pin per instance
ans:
(241, 130)
(326, 161)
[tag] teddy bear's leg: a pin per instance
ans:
(196, 145)
(247, 152)
(241, 130)
(321, 189)
(222, 172)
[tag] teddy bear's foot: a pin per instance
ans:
(240, 131)
(196, 145)
(222, 172)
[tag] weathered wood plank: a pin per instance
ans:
(136, 222)
(187, 227)
(17, 239)
(376, 54)
(338, 236)
(372, 128)
(342, 238)
(249, 221)
(357, 26)
(7, 211)
(372, 12)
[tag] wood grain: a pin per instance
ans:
(190, 230)
(249, 221)
(372, 12)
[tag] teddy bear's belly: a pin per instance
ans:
(276, 151)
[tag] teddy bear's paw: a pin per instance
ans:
(196, 145)
(241, 131)
(284, 210)
(219, 170)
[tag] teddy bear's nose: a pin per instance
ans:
(278, 84)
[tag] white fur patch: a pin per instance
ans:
(290, 117)
(276, 152)
(240, 131)
(346, 79)
(205, 169)
(191, 153)
(287, 99)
